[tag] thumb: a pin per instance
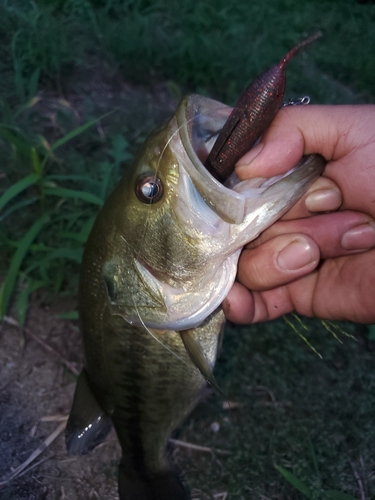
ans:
(296, 131)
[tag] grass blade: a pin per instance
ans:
(70, 235)
(300, 334)
(86, 229)
(73, 177)
(17, 188)
(294, 481)
(22, 302)
(68, 315)
(10, 280)
(66, 253)
(19, 143)
(72, 193)
(37, 164)
(315, 461)
(77, 131)
(18, 206)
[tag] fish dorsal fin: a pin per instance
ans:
(88, 424)
(196, 354)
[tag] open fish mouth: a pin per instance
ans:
(200, 120)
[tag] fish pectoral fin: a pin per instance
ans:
(196, 354)
(88, 424)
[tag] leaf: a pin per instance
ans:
(17, 188)
(72, 193)
(16, 262)
(294, 481)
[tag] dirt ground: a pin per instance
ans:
(38, 370)
(35, 384)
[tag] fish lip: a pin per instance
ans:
(224, 278)
(228, 204)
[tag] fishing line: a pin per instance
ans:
(141, 320)
(137, 254)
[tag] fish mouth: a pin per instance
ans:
(199, 121)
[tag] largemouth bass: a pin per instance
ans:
(159, 261)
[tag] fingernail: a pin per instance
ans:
(359, 238)
(295, 256)
(323, 200)
(250, 156)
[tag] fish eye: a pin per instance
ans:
(149, 188)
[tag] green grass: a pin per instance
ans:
(311, 416)
(60, 160)
(214, 47)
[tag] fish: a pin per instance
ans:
(159, 261)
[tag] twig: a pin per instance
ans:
(359, 481)
(231, 405)
(49, 439)
(65, 362)
(222, 495)
(196, 447)
(33, 466)
(55, 418)
(263, 388)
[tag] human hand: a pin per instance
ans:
(317, 265)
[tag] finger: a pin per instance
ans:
(301, 130)
(239, 305)
(323, 196)
(243, 306)
(335, 234)
(277, 261)
(340, 289)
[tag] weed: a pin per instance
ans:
(46, 259)
(313, 494)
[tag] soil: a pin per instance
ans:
(35, 384)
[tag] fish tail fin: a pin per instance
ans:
(163, 486)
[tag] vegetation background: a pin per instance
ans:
(82, 83)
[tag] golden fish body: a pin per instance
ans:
(160, 259)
